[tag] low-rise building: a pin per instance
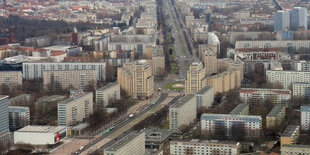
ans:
(276, 116)
(290, 135)
(11, 78)
(287, 149)
(108, 94)
(18, 117)
(182, 112)
(78, 79)
(22, 99)
(305, 117)
(204, 147)
(240, 109)
(75, 109)
(231, 125)
(40, 135)
(156, 138)
(132, 144)
(205, 97)
(261, 95)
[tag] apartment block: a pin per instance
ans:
(305, 117)
(75, 109)
(302, 65)
(276, 116)
(240, 109)
(287, 149)
(136, 79)
(261, 95)
(158, 64)
(287, 77)
(18, 117)
(209, 59)
(132, 144)
(11, 78)
(205, 97)
(301, 89)
(195, 79)
(66, 79)
(108, 94)
(36, 70)
(182, 112)
(290, 45)
(22, 99)
(290, 135)
(231, 125)
(204, 147)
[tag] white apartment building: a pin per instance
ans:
(75, 109)
(305, 117)
(288, 44)
(108, 94)
(205, 97)
(214, 123)
(36, 70)
(132, 144)
(287, 77)
(11, 78)
(65, 79)
(204, 147)
(182, 112)
(274, 96)
(18, 117)
(302, 66)
(301, 89)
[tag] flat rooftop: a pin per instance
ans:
(181, 101)
(231, 116)
(157, 135)
(238, 108)
(123, 141)
(107, 86)
(3, 97)
(289, 131)
(41, 129)
(276, 110)
(204, 89)
(76, 97)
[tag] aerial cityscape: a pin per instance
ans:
(154, 77)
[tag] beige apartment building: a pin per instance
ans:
(136, 79)
(209, 59)
(75, 109)
(132, 144)
(11, 78)
(195, 79)
(204, 147)
(65, 79)
(290, 135)
(158, 64)
(182, 112)
(108, 94)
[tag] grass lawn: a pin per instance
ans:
(173, 68)
(182, 45)
(173, 51)
(170, 86)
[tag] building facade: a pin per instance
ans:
(276, 116)
(286, 78)
(299, 18)
(240, 109)
(195, 79)
(158, 64)
(204, 147)
(4, 117)
(18, 117)
(290, 135)
(261, 95)
(205, 97)
(11, 78)
(301, 89)
(136, 79)
(294, 149)
(281, 20)
(65, 79)
(182, 112)
(227, 124)
(305, 117)
(132, 144)
(36, 70)
(108, 94)
(75, 109)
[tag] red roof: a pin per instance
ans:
(257, 90)
(56, 53)
(66, 58)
